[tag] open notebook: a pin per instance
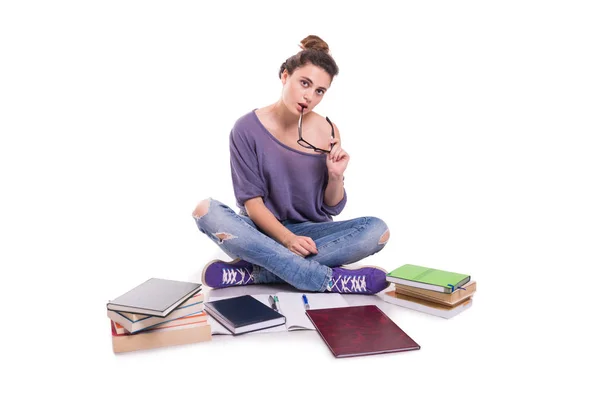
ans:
(292, 306)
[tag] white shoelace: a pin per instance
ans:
(230, 276)
(357, 284)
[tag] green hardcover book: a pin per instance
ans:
(428, 278)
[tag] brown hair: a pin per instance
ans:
(314, 51)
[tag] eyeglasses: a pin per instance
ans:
(307, 145)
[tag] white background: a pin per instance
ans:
(470, 126)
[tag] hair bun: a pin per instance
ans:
(315, 43)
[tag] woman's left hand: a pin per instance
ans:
(337, 159)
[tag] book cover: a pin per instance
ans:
(155, 297)
(360, 330)
(197, 298)
(427, 307)
(427, 278)
(243, 314)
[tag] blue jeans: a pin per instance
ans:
(338, 243)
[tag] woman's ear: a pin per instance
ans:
(284, 76)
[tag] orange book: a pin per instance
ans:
(160, 337)
(448, 299)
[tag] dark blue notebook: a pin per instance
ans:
(243, 314)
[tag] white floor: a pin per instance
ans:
(300, 362)
(516, 334)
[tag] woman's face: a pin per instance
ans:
(305, 87)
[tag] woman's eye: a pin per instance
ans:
(303, 82)
(321, 93)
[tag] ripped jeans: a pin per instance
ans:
(338, 243)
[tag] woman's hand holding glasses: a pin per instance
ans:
(337, 159)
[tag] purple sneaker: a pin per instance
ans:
(364, 280)
(219, 274)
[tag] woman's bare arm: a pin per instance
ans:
(337, 161)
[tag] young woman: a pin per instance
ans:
(287, 166)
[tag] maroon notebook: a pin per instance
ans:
(359, 331)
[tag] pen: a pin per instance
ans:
(305, 300)
(276, 303)
(272, 303)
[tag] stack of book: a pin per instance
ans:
(430, 290)
(158, 313)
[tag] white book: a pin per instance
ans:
(425, 306)
(155, 297)
(291, 306)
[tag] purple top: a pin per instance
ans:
(292, 183)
